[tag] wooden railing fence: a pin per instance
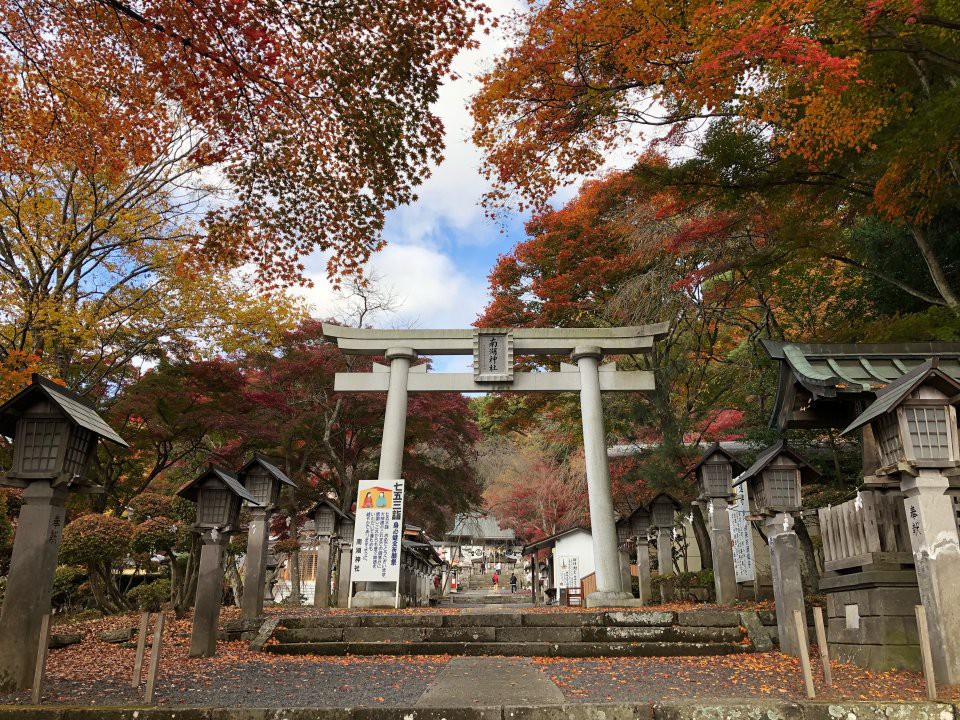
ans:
(875, 533)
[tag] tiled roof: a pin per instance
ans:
(189, 491)
(259, 459)
(76, 408)
(843, 378)
(478, 526)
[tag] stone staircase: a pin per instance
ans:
(623, 633)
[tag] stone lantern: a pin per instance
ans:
(326, 520)
(773, 484)
(640, 527)
(218, 494)
(264, 481)
(662, 510)
(624, 540)
(55, 434)
(774, 480)
(345, 561)
(715, 472)
(914, 423)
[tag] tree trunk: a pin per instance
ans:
(702, 535)
(937, 275)
(295, 596)
(808, 559)
(99, 593)
(236, 583)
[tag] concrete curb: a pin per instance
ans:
(720, 710)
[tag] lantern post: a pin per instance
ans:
(345, 561)
(55, 434)
(623, 546)
(326, 518)
(264, 481)
(662, 509)
(773, 482)
(640, 527)
(715, 473)
(218, 494)
(914, 422)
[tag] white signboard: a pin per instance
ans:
(379, 531)
(742, 535)
(568, 571)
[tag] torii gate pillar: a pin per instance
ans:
(383, 595)
(606, 557)
(493, 350)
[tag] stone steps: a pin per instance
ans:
(477, 598)
(514, 649)
(640, 633)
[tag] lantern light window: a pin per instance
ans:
(783, 485)
(214, 507)
(323, 521)
(717, 479)
(40, 446)
(928, 432)
(888, 440)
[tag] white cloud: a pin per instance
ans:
(432, 291)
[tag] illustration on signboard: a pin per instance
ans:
(375, 497)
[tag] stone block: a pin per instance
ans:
(641, 618)
(481, 620)
(756, 631)
(878, 657)
(517, 649)
(384, 634)
(877, 710)
(294, 635)
(563, 619)
(243, 625)
(767, 617)
(539, 634)
(339, 621)
(618, 711)
(874, 630)
(117, 636)
(460, 713)
(463, 634)
(709, 618)
(62, 640)
(741, 710)
(423, 620)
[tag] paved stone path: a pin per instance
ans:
(485, 681)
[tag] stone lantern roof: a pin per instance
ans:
(76, 409)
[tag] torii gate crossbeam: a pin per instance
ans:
(493, 350)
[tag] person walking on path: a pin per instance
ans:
(513, 583)
(499, 567)
(483, 566)
(496, 581)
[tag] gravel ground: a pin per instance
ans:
(297, 682)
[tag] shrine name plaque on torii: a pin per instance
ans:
(493, 351)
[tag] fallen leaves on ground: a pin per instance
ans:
(771, 675)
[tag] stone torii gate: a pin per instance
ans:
(493, 351)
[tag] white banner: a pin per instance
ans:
(741, 532)
(378, 532)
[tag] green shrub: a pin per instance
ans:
(687, 585)
(150, 597)
(68, 587)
